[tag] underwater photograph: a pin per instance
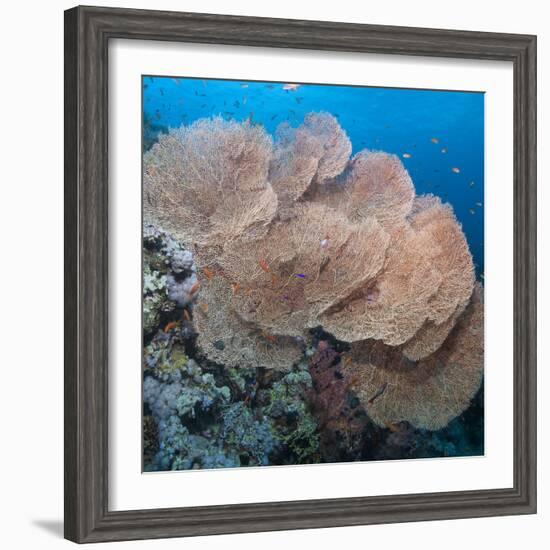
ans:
(313, 273)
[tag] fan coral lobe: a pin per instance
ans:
(227, 338)
(375, 185)
(428, 393)
(303, 278)
(207, 182)
(293, 235)
(315, 151)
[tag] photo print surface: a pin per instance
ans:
(313, 273)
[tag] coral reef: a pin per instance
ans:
(168, 277)
(342, 421)
(197, 416)
(263, 244)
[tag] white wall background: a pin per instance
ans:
(31, 358)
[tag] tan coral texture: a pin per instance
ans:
(428, 393)
(294, 234)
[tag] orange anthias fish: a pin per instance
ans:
(208, 273)
(194, 288)
(455, 170)
(434, 140)
(291, 87)
(170, 326)
(186, 315)
(269, 337)
(406, 155)
(235, 287)
(263, 264)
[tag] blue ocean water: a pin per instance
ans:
(439, 135)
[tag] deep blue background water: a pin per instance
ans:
(399, 121)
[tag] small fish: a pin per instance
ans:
(269, 337)
(151, 79)
(161, 91)
(176, 80)
(194, 288)
(235, 287)
(393, 426)
(208, 273)
(444, 150)
(472, 211)
(298, 99)
(455, 170)
(244, 85)
(273, 117)
(472, 183)
(244, 100)
(236, 104)
(170, 326)
(347, 360)
(434, 140)
(479, 204)
(378, 393)
(407, 155)
(186, 315)
(372, 295)
(291, 87)
(204, 307)
(482, 276)
(145, 86)
(264, 265)
(274, 279)
(300, 275)
(324, 243)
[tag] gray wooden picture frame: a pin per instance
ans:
(87, 34)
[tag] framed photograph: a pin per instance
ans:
(300, 274)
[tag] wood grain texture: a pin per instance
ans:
(87, 33)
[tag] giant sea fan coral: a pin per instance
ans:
(374, 185)
(428, 278)
(288, 277)
(428, 393)
(295, 235)
(227, 338)
(207, 183)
